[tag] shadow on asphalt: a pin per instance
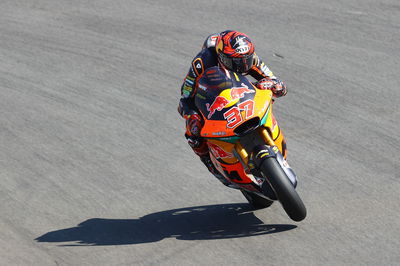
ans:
(193, 223)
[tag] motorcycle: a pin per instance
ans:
(245, 142)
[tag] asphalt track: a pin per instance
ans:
(94, 168)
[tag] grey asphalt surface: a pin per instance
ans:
(94, 168)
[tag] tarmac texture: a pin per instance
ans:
(94, 167)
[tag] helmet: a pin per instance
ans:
(235, 51)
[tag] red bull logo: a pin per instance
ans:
(218, 152)
(227, 98)
(218, 104)
(238, 92)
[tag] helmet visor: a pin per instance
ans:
(237, 64)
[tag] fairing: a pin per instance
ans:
(227, 101)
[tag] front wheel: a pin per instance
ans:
(257, 202)
(284, 189)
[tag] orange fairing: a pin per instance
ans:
(230, 104)
(222, 151)
(234, 172)
(253, 105)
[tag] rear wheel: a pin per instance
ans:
(284, 189)
(257, 202)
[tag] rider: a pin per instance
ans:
(233, 51)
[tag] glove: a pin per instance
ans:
(194, 125)
(279, 88)
(275, 85)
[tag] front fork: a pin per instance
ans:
(262, 148)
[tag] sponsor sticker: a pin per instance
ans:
(220, 133)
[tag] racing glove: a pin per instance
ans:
(275, 85)
(193, 125)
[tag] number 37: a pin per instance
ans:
(233, 116)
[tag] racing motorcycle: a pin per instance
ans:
(245, 142)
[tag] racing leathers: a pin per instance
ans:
(205, 59)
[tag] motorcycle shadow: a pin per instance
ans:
(192, 223)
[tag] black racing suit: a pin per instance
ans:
(206, 58)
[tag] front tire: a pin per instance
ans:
(284, 189)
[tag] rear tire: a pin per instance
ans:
(284, 189)
(257, 202)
